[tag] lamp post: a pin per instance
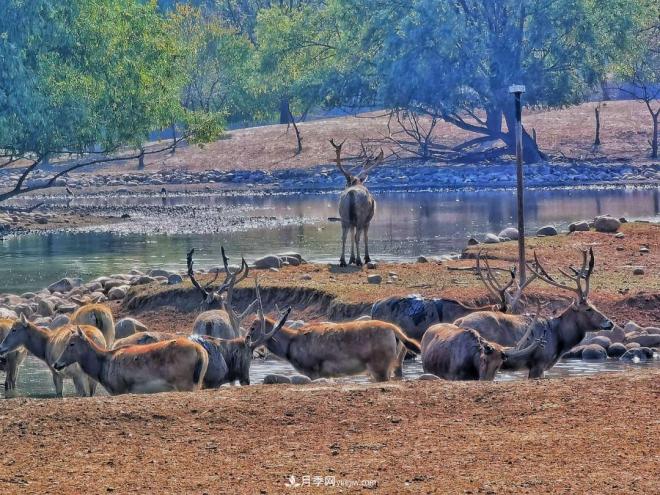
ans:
(517, 90)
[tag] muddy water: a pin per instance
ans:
(35, 378)
(406, 225)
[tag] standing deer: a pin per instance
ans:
(562, 332)
(222, 322)
(10, 362)
(356, 207)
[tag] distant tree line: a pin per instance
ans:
(89, 80)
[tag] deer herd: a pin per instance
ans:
(455, 341)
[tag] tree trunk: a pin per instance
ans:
(173, 138)
(654, 139)
(284, 111)
(494, 119)
(531, 153)
(597, 139)
(298, 136)
(141, 159)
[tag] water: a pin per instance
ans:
(35, 380)
(406, 225)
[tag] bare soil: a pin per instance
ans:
(578, 435)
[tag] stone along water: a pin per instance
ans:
(406, 225)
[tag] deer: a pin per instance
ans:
(172, 365)
(415, 314)
(12, 360)
(356, 207)
(562, 332)
(456, 353)
(327, 350)
(229, 359)
(99, 316)
(222, 322)
(48, 345)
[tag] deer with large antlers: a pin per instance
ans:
(220, 320)
(356, 207)
(562, 332)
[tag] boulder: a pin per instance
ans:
(117, 293)
(428, 376)
(24, 309)
(275, 379)
(112, 283)
(300, 380)
(509, 233)
(158, 272)
(174, 279)
(616, 350)
(269, 261)
(594, 352)
(143, 280)
(8, 314)
(59, 321)
(292, 254)
(67, 308)
(575, 353)
(606, 223)
(637, 354)
(65, 285)
(638, 271)
(547, 230)
(631, 326)
(372, 265)
(615, 335)
(45, 308)
(602, 341)
(43, 321)
(633, 345)
(472, 242)
(581, 226)
(128, 326)
(491, 239)
(651, 340)
(374, 279)
(422, 259)
(291, 260)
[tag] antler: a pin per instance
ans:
(207, 294)
(232, 279)
(263, 335)
(337, 148)
(493, 285)
(584, 273)
(371, 163)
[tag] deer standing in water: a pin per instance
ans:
(356, 208)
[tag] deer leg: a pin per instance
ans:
(367, 259)
(58, 381)
(352, 258)
(358, 260)
(344, 233)
(535, 373)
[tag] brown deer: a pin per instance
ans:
(356, 207)
(562, 332)
(10, 362)
(222, 322)
(99, 316)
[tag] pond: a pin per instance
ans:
(406, 225)
(34, 378)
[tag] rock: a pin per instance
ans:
(291, 260)
(174, 279)
(372, 265)
(24, 309)
(28, 295)
(374, 279)
(623, 220)
(651, 340)
(619, 235)
(644, 250)
(638, 271)
(40, 219)
(428, 376)
(547, 230)
(8, 314)
(637, 354)
(631, 326)
(472, 242)
(615, 335)
(275, 379)
(270, 261)
(112, 283)
(300, 380)
(602, 341)
(65, 285)
(117, 293)
(44, 321)
(620, 248)
(581, 226)
(575, 353)
(508, 233)
(594, 352)
(159, 272)
(67, 308)
(491, 239)
(59, 321)
(616, 350)
(422, 259)
(322, 380)
(633, 345)
(292, 254)
(45, 308)
(306, 276)
(128, 326)
(606, 223)
(143, 280)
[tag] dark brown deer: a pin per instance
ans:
(562, 332)
(220, 320)
(356, 207)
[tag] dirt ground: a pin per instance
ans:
(313, 289)
(578, 435)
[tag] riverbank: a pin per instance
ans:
(579, 435)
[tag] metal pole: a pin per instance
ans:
(517, 91)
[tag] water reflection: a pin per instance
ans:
(406, 225)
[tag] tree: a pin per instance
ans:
(455, 60)
(89, 80)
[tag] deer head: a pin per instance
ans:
(362, 176)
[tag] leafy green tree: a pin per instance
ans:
(88, 79)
